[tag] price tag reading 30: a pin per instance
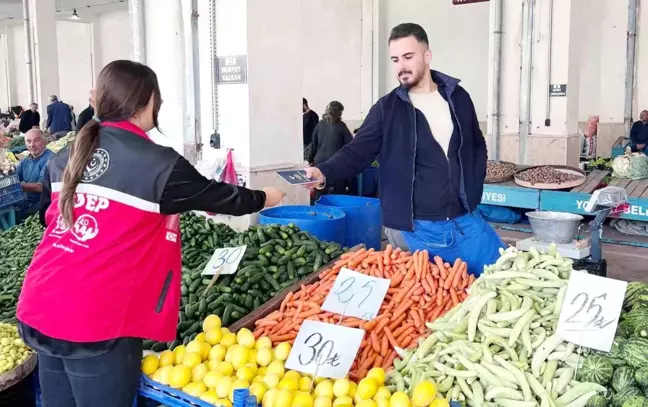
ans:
(357, 295)
(590, 311)
(324, 350)
(228, 258)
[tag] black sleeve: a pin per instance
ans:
(46, 196)
(25, 121)
(346, 134)
(634, 132)
(37, 120)
(187, 190)
(313, 144)
(84, 118)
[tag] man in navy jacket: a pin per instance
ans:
(59, 118)
(432, 159)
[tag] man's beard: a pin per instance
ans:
(412, 82)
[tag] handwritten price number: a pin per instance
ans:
(356, 295)
(228, 257)
(346, 286)
(317, 346)
(597, 321)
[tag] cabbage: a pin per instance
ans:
(630, 165)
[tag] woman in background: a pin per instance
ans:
(329, 136)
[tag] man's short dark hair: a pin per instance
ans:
(409, 30)
(304, 101)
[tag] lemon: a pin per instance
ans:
(258, 379)
(382, 393)
(258, 389)
(302, 399)
(245, 373)
(150, 364)
(253, 367)
(226, 369)
(205, 348)
(289, 384)
(239, 356)
(324, 389)
(199, 372)
(167, 358)
(223, 387)
(341, 388)
(440, 403)
(228, 340)
(271, 380)
(194, 347)
(378, 374)
(263, 343)
(269, 398)
(262, 371)
(322, 401)
(282, 351)
(209, 396)
(284, 398)
(225, 331)
(276, 368)
(195, 389)
(367, 388)
(213, 336)
(305, 384)
(156, 376)
(213, 364)
(223, 403)
(245, 337)
(217, 352)
(211, 322)
(399, 399)
(382, 402)
(211, 379)
(293, 374)
(264, 356)
(353, 387)
(191, 360)
(366, 403)
(179, 353)
(180, 376)
(165, 375)
(200, 337)
(252, 355)
(320, 379)
(238, 384)
(344, 401)
(424, 394)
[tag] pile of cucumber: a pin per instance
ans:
(17, 247)
(276, 257)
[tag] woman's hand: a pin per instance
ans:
(274, 197)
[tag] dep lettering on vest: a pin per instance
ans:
(92, 203)
(494, 197)
(636, 210)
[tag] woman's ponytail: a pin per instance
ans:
(81, 150)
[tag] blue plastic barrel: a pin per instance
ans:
(325, 223)
(363, 218)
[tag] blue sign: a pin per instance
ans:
(575, 203)
(514, 197)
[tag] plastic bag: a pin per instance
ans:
(229, 172)
(630, 165)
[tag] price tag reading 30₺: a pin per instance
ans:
(356, 295)
(228, 258)
(324, 350)
(590, 311)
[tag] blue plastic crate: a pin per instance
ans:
(10, 191)
(151, 390)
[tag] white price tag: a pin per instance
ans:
(590, 311)
(228, 258)
(357, 295)
(324, 350)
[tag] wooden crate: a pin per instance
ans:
(274, 303)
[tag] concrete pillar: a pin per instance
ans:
(43, 20)
(553, 129)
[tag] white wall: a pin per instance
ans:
(74, 58)
(458, 39)
(112, 38)
(17, 66)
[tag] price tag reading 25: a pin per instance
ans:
(228, 258)
(324, 349)
(357, 295)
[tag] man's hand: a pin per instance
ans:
(313, 173)
(641, 146)
(274, 197)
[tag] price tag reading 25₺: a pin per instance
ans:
(228, 258)
(590, 310)
(325, 350)
(356, 295)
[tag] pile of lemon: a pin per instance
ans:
(217, 362)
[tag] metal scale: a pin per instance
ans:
(562, 227)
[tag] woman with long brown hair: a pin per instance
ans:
(107, 272)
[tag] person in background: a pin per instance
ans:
(29, 119)
(329, 136)
(108, 270)
(86, 114)
(74, 117)
(31, 171)
(310, 119)
(639, 133)
(432, 159)
(59, 118)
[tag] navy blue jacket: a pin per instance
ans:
(59, 117)
(390, 130)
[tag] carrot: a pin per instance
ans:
(453, 296)
(407, 333)
(389, 360)
(398, 331)
(416, 318)
(390, 337)
(375, 342)
(402, 309)
(439, 263)
(458, 275)
(379, 361)
(384, 346)
(283, 338)
(396, 322)
(382, 324)
(451, 275)
(440, 296)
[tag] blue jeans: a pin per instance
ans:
(468, 237)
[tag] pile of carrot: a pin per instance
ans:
(421, 290)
